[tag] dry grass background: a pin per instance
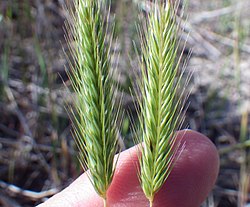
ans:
(37, 152)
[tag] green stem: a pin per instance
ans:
(150, 203)
(236, 146)
(105, 202)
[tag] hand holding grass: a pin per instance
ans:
(94, 115)
(190, 181)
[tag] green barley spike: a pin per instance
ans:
(94, 116)
(161, 100)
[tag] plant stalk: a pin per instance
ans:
(151, 201)
(105, 202)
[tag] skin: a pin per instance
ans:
(188, 185)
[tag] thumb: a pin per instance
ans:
(189, 183)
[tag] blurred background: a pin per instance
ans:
(38, 156)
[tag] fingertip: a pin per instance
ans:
(194, 173)
(189, 183)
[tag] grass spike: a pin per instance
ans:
(94, 116)
(162, 100)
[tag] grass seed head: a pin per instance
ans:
(94, 115)
(161, 101)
